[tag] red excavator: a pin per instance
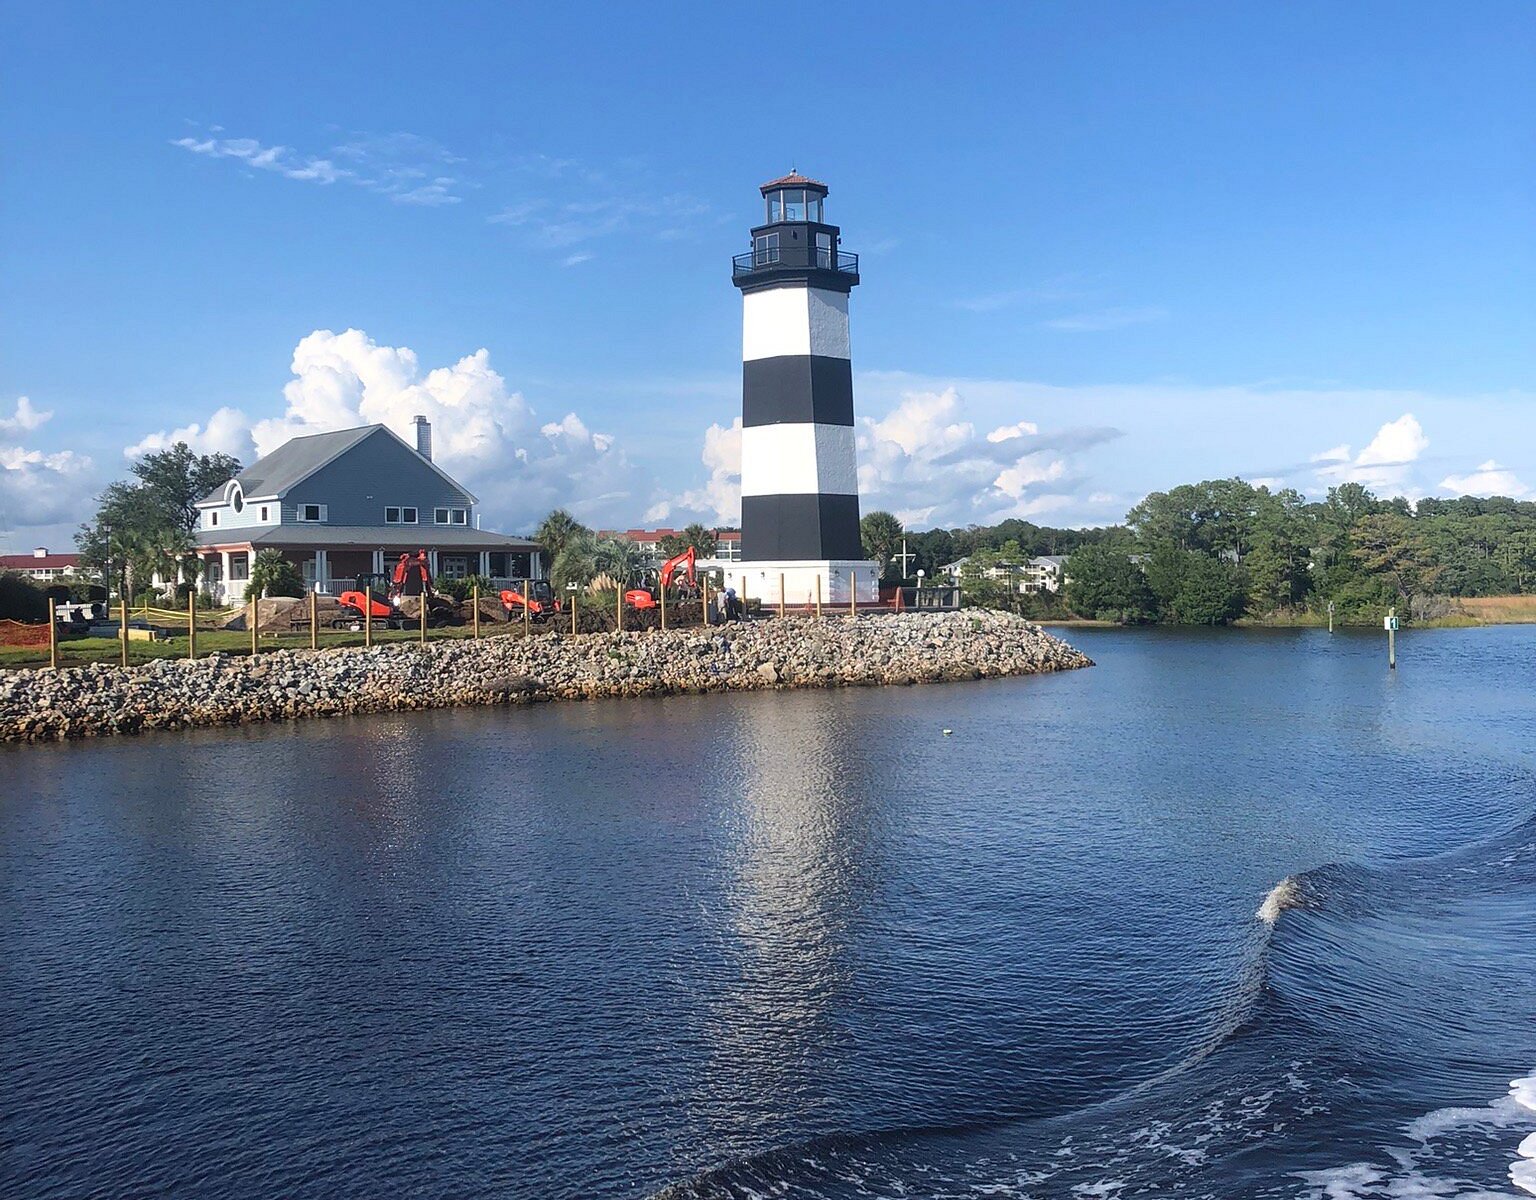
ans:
(536, 595)
(355, 602)
(411, 578)
(646, 597)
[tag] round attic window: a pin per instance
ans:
(236, 498)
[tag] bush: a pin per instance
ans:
(20, 600)
(274, 575)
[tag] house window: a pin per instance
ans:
(263, 512)
(239, 567)
(455, 566)
(213, 518)
(399, 516)
(460, 516)
(311, 512)
(450, 516)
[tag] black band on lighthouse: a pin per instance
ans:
(797, 388)
(800, 528)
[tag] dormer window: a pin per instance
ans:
(311, 512)
(236, 498)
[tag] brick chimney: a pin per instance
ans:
(423, 436)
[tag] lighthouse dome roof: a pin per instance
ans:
(794, 179)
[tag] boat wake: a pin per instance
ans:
(1365, 989)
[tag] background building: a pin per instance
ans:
(339, 505)
(40, 565)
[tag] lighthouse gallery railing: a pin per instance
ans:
(795, 256)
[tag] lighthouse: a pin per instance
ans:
(799, 471)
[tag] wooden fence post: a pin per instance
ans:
(527, 616)
(618, 609)
(53, 635)
(704, 597)
(423, 616)
(661, 590)
(368, 616)
(781, 594)
(853, 593)
(575, 604)
(191, 625)
(252, 622)
(818, 595)
(475, 600)
(314, 621)
(124, 610)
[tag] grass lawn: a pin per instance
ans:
(80, 651)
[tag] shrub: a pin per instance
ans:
(20, 600)
(274, 575)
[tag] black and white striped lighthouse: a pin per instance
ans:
(799, 472)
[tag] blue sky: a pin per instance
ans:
(1107, 247)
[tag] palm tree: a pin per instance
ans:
(574, 564)
(702, 540)
(618, 557)
(557, 531)
(881, 534)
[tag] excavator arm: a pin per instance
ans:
(684, 560)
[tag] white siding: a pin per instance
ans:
(794, 320)
(789, 460)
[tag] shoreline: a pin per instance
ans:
(44, 705)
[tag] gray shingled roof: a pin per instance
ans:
(295, 460)
(336, 537)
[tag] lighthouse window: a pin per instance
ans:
(765, 249)
(775, 207)
(813, 207)
(824, 250)
(794, 206)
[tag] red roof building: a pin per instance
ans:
(40, 564)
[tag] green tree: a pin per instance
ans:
(273, 575)
(1103, 583)
(135, 520)
(576, 563)
(880, 532)
(556, 531)
(1210, 592)
(618, 557)
(701, 539)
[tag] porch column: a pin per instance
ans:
(378, 562)
(432, 562)
(224, 574)
(485, 564)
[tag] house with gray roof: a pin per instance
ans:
(343, 504)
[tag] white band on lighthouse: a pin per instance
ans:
(794, 320)
(791, 460)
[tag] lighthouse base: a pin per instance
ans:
(795, 583)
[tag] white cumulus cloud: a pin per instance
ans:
(37, 487)
(1386, 463)
(228, 431)
(1490, 479)
(483, 433)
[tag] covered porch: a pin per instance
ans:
(331, 565)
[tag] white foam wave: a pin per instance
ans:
(1414, 1173)
(1285, 894)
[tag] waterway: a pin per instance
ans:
(1233, 914)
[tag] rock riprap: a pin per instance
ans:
(282, 685)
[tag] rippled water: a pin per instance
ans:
(800, 944)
